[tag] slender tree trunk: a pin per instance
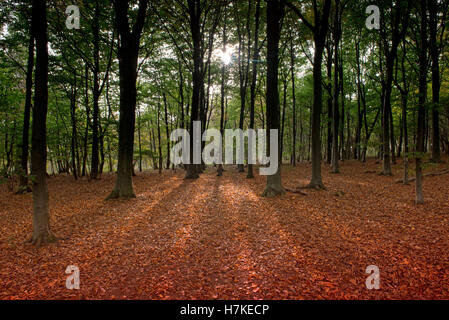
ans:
(420, 148)
(400, 14)
(26, 117)
(292, 66)
(250, 174)
(330, 116)
(74, 129)
(335, 111)
(86, 131)
(284, 104)
(222, 97)
(244, 73)
(392, 139)
(167, 130)
(159, 138)
(405, 136)
(434, 52)
(139, 135)
(96, 93)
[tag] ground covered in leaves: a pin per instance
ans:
(216, 238)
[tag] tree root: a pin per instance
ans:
(42, 239)
(385, 174)
(431, 174)
(24, 190)
(298, 191)
(191, 176)
(271, 192)
(119, 195)
(315, 186)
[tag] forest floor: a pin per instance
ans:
(216, 238)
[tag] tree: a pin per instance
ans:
(96, 91)
(336, 91)
(275, 11)
(128, 53)
(399, 23)
(436, 85)
(250, 174)
(319, 30)
(41, 216)
(243, 64)
(420, 149)
(27, 113)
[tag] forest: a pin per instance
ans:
(353, 95)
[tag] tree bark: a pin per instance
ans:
(390, 53)
(250, 174)
(434, 53)
(420, 148)
(292, 66)
(335, 111)
(41, 216)
(222, 97)
(319, 30)
(128, 53)
(96, 93)
(275, 12)
(27, 114)
(73, 145)
(195, 11)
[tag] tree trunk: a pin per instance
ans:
(96, 93)
(292, 66)
(139, 136)
(275, 12)
(222, 97)
(390, 53)
(128, 53)
(26, 117)
(194, 8)
(316, 180)
(330, 116)
(421, 103)
(74, 131)
(434, 52)
(320, 30)
(284, 104)
(167, 130)
(86, 131)
(159, 143)
(41, 217)
(405, 135)
(335, 111)
(250, 174)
